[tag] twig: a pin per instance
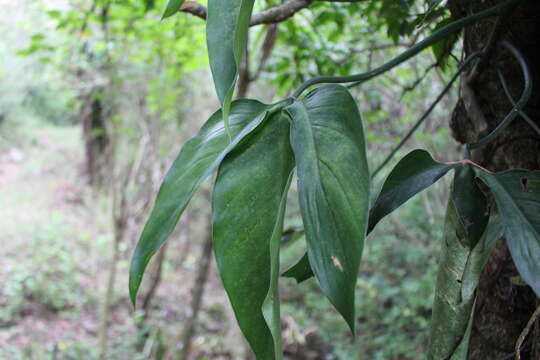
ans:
(426, 114)
(195, 9)
(525, 96)
(417, 82)
(469, 162)
(356, 51)
(525, 332)
(437, 36)
(513, 102)
(273, 15)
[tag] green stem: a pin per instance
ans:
(514, 104)
(280, 104)
(428, 111)
(414, 50)
(518, 107)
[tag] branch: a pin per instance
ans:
(195, 9)
(279, 13)
(271, 16)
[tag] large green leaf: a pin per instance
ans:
(517, 194)
(460, 267)
(172, 8)
(200, 157)
(471, 204)
(333, 184)
(248, 208)
(414, 173)
(226, 36)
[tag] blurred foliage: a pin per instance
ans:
(49, 280)
(340, 39)
(118, 46)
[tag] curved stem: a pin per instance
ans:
(414, 50)
(518, 107)
(513, 102)
(428, 111)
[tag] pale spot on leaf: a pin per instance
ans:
(337, 263)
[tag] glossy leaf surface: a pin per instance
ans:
(333, 184)
(172, 8)
(517, 194)
(301, 271)
(248, 208)
(471, 204)
(414, 173)
(226, 35)
(199, 158)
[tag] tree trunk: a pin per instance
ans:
(96, 139)
(196, 300)
(504, 305)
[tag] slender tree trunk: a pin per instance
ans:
(244, 77)
(119, 229)
(120, 214)
(156, 272)
(196, 299)
(96, 139)
(504, 306)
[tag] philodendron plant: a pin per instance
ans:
(256, 148)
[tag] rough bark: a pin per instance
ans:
(504, 305)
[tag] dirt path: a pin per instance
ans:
(41, 207)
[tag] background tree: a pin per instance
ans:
(504, 305)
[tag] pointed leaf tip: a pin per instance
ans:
(412, 174)
(517, 194)
(173, 6)
(246, 238)
(197, 160)
(333, 187)
(227, 27)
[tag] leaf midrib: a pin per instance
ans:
(319, 183)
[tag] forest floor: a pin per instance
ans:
(54, 232)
